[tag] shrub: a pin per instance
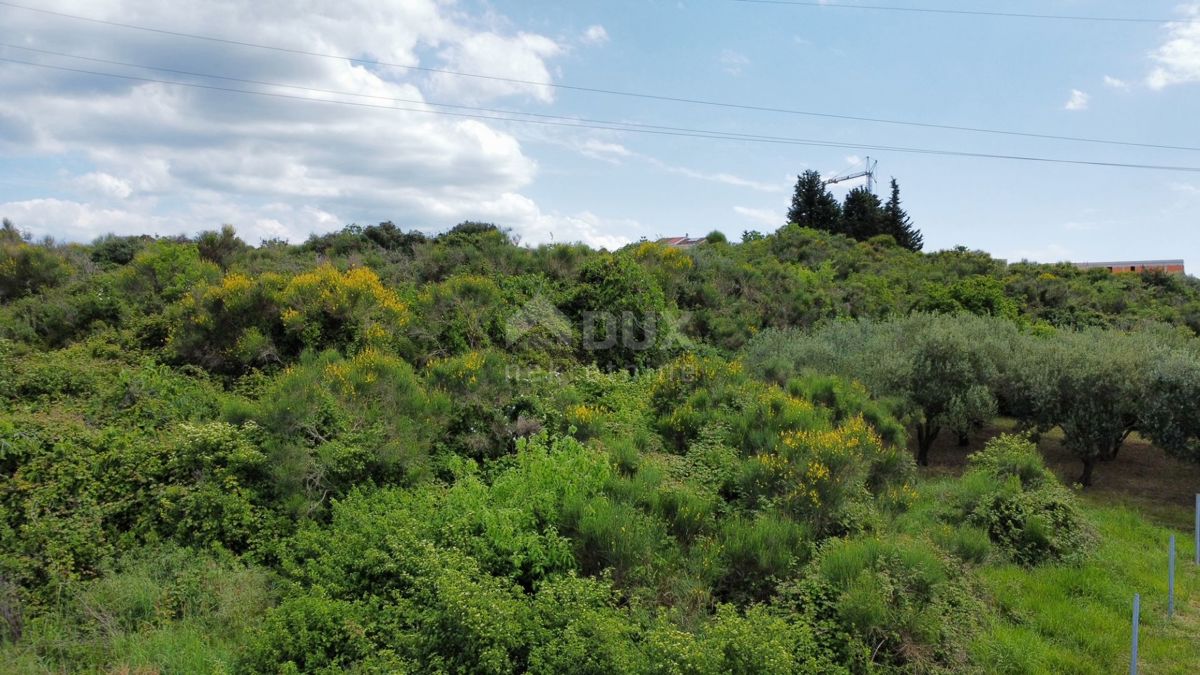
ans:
(245, 322)
(1008, 492)
(486, 404)
(848, 399)
(823, 475)
(460, 314)
(26, 269)
(333, 422)
(113, 250)
(898, 596)
(623, 314)
(164, 272)
(220, 247)
(758, 552)
(693, 393)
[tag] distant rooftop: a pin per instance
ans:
(1169, 266)
(1127, 263)
(681, 242)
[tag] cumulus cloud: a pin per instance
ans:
(154, 157)
(538, 227)
(104, 184)
(760, 216)
(518, 59)
(1078, 101)
(595, 35)
(1177, 60)
(733, 62)
(1115, 83)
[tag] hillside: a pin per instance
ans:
(382, 451)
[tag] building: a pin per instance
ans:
(1168, 266)
(680, 242)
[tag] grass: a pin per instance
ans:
(1077, 618)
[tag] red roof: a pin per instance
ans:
(681, 242)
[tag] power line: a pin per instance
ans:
(393, 99)
(615, 126)
(963, 12)
(609, 92)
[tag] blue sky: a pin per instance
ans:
(81, 155)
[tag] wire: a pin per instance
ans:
(962, 12)
(393, 99)
(614, 126)
(608, 92)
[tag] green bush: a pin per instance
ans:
(332, 422)
(899, 596)
(1008, 492)
(26, 269)
(623, 313)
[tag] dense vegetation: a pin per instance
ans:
(382, 451)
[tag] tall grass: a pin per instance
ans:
(1077, 618)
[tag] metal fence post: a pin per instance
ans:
(1197, 537)
(1133, 659)
(1171, 580)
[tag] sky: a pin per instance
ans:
(329, 141)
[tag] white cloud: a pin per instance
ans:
(538, 227)
(521, 57)
(595, 35)
(1115, 83)
(104, 185)
(761, 216)
(720, 177)
(605, 151)
(1078, 101)
(169, 159)
(733, 62)
(614, 153)
(1178, 58)
(1050, 253)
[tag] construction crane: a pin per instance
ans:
(869, 172)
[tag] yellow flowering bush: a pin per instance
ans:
(241, 322)
(692, 393)
(822, 475)
(326, 307)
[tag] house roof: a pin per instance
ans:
(682, 242)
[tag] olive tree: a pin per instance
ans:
(940, 369)
(1171, 404)
(1028, 383)
(1101, 391)
(949, 382)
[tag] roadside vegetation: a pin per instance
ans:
(380, 451)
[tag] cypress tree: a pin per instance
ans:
(897, 223)
(813, 206)
(862, 214)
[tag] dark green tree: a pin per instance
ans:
(897, 223)
(862, 214)
(813, 206)
(220, 247)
